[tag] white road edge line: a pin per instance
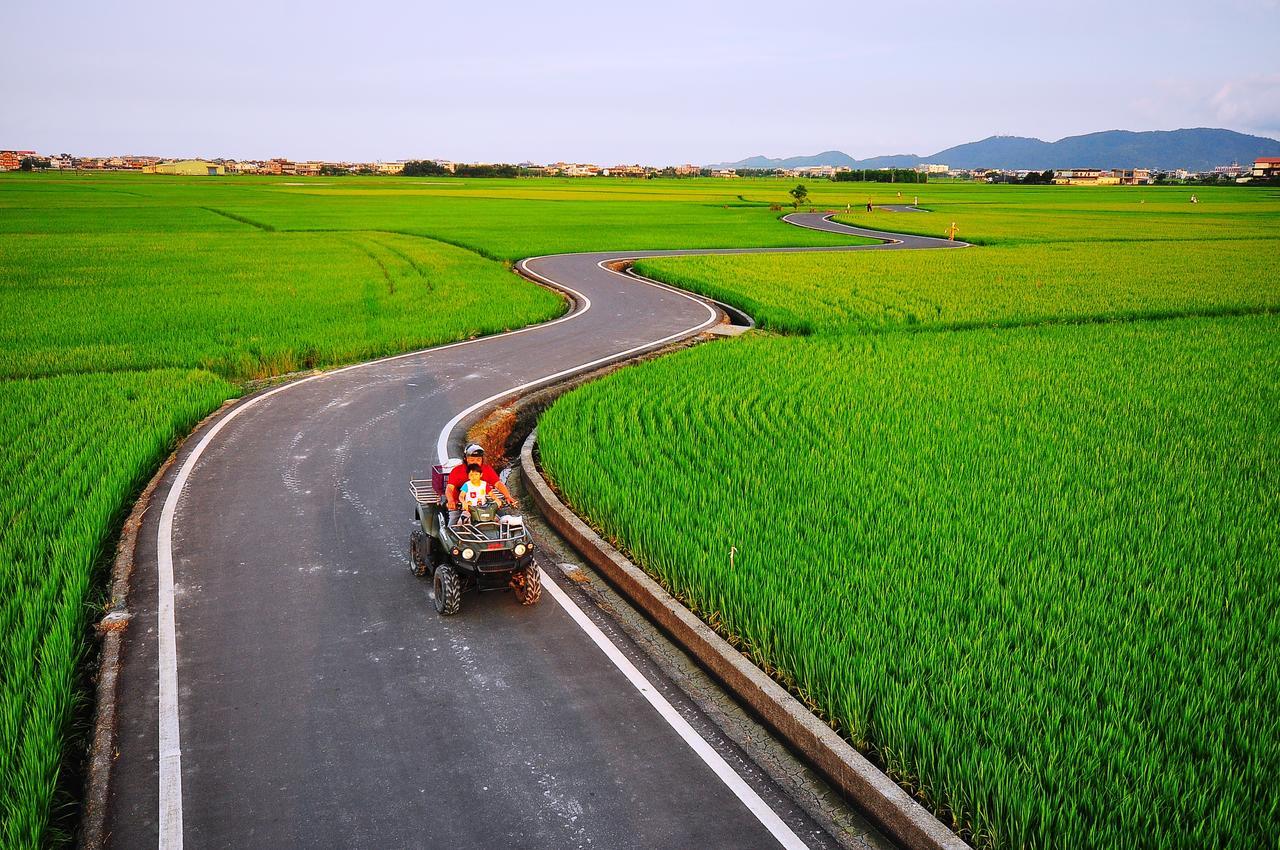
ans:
(758, 807)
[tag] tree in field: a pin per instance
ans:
(798, 195)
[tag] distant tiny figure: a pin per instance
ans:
(848, 207)
(916, 201)
(899, 196)
(868, 205)
(1194, 199)
(952, 231)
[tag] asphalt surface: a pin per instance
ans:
(320, 700)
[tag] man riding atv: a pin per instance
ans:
(458, 476)
(487, 551)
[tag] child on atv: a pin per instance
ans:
(476, 492)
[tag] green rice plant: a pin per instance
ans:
(74, 451)
(1021, 215)
(1008, 285)
(1034, 573)
(246, 304)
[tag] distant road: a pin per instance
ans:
(292, 686)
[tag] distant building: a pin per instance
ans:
(1266, 167)
(933, 168)
(12, 160)
(186, 167)
(688, 170)
(725, 172)
(1133, 176)
(625, 171)
(389, 167)
(1078, 176)
(1102, 177)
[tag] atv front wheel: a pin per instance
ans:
(447, 590)
(527, 585)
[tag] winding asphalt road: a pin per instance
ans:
(286, 682)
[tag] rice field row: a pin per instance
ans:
(245, 304)
(74, 450)
(835, 293)
(1034, 572)
(1018, 215)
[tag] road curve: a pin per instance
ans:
(305, 692)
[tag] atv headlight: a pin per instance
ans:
(468, 553)
(521, 549)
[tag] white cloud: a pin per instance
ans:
(1250, 103)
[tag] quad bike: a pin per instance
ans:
(487, 551)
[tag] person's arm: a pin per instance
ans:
(506, 494)
(451, 496)
(495, 480)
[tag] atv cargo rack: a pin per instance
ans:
(423, 493)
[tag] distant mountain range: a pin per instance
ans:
(1198, 149)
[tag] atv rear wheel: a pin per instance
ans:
(447, 590)
(527, 584)
(419, 553)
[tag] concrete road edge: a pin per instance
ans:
(892, 808)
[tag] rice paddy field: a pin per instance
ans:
(108, 304)
(1033, 572)
(133, 305)
(1021, 215)
(1028, 562)
(1005, 285)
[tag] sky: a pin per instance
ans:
(656, 82)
